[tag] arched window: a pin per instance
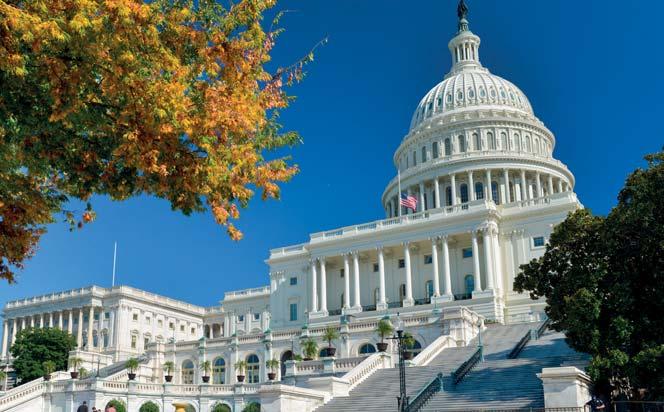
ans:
(414, 159)
(95, 340)
(528, 144)
(479, 190)
(429, 288)
(536, 145)
(448, 195)
(187, 372)
(469, 284)
(462, 144)
(366, 349)
(286, 356)
(494, 193)
(448, 147)
(512, 192)
(105, 336)
(253, 369)
(492, 141)
(477, 140)
(417, 348)
(464, 193)
(517, 141)
(503, 141)
(434, 150)
(219, 371)
(424, 154)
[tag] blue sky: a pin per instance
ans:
(590, 70)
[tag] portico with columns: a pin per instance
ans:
(489, 191)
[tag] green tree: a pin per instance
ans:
(221, 407)
(149, 406)
(118, 405)
(34, 346)
(603, 282)
(252, 407)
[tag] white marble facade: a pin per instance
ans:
(490, 192)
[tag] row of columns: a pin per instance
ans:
(30, 321)
(492, 264)
(518, 177)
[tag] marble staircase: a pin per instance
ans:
(496, 383)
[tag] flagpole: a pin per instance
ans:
(115, 252)
(399, 196)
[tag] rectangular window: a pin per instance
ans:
(147, 320)
(293, 280)
(342, 272)
(133, 342)
(146, 342)
(160, 323)
(181, 328)
(171, 325)
(240, 318)
(293, 312)
(96, 316)
(467, 252)
(375, 267)
(402, 263)
(428, 259)
(193, 331)
(107, 315)
(538, 241)
(257, 316)
(135, 316)
(434, 150)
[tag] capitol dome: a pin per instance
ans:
(474, 137)
(470, 89)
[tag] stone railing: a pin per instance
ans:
(366, 368)
(101, 292)
(311, 367)
(432, 350)
(28, 390)
(288, 250)
(347, 364)
(237, 294)
(385, 224)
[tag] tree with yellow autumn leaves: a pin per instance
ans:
(169, 98)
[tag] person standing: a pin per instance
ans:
(83, 407)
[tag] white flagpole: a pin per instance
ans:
(115, 252)
(399, 196)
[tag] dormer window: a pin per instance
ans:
(482, 92)
(449, 98)
(471, 93)
(460, 95)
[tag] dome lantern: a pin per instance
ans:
(465, 45)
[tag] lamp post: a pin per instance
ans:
(402, 399)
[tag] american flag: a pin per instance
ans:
(409, 202)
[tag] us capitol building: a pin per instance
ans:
(489, 192)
